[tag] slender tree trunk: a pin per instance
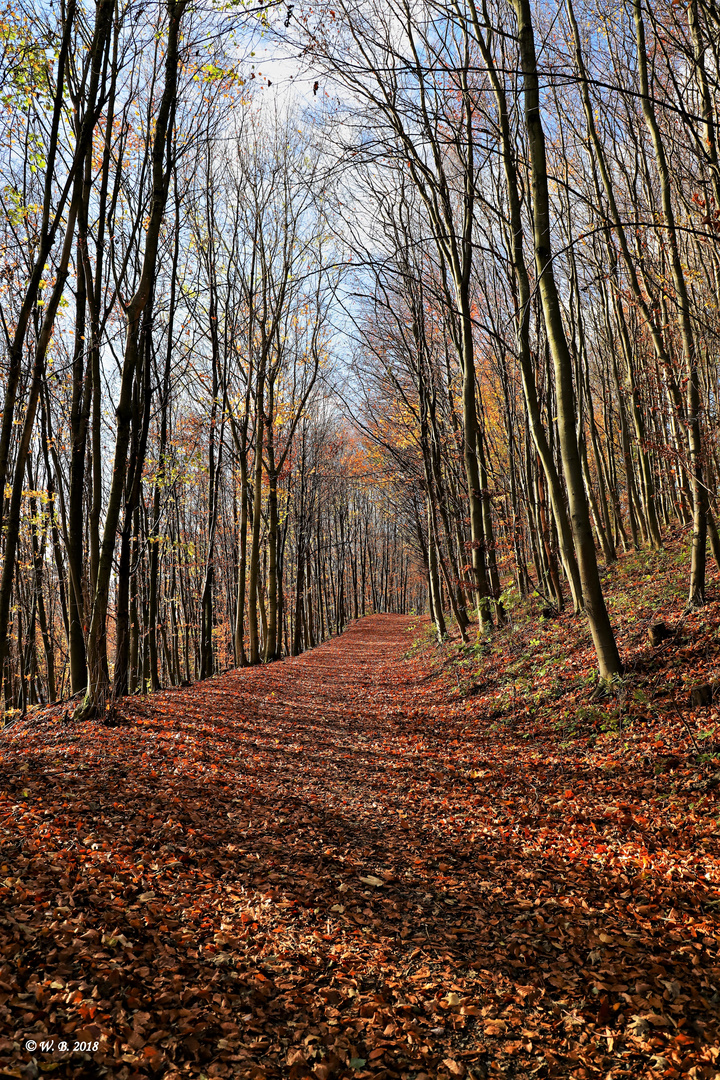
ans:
(240, 656)
(254, 575)
(98, 678)
(603, 638)
(522, 323)
(696, 596)
(38, 550)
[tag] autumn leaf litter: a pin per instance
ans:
(358, 864)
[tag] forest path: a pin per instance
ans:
(336, 866)
(334, 717)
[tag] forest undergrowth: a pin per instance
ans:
(384, 858)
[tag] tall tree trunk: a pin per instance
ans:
(696, 595)
(523, 298)
(603, 638)
(98, 678)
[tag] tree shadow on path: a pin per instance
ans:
(321, 869)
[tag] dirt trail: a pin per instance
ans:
(330, 867)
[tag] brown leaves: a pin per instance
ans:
(374, 882)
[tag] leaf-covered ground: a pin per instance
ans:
(364, 863)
